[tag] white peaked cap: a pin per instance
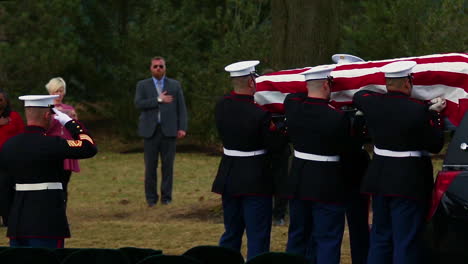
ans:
(319, 72)
(398, 69)
(241, 68)
(38, 100)
(345, 58)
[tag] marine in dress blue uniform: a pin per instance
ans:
(316, 185)
(32, 163)
(355, 166)
(398, 178)
(243, 179)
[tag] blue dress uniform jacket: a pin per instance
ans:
(33, 157)
(397, 122)
(242, 126)
(315, 127)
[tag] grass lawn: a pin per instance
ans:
(107, 208)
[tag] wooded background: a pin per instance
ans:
(103, 47)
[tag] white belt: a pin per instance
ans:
(238, 153)
(315, 157)
(399, 154)
(39, 186)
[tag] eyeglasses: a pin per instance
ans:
(156, 66)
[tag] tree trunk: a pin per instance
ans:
(304, 32)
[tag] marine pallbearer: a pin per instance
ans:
(243, 179)
(354, 166)
(316, 184)
(399, 177)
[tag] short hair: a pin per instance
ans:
(315, 85)
(157, 58)
(395, 82)
(56, 83)
(240, 83)
(35, 113)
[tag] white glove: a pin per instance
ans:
(61, 117)
(359, 113)
(438, 104)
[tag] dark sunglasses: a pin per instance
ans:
(156, 66)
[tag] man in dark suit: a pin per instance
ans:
(243, 178)
(163, 119)
(316, 185)
(31, 163)
(399, 176)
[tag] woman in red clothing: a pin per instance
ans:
(57, 86)
(10, 121)
(11, 124)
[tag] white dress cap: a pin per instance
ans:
(318, 73)
(345, 58)
(241, 68)
(398, 69)
(38, 100)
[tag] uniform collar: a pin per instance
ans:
(316, 100)
(393, 93)
(34, 129)
(242, 96)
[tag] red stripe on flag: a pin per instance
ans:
(284, 87)
(433, 76)
(453, 79)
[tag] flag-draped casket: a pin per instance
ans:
(444, 75)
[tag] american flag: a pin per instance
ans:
(444, 75)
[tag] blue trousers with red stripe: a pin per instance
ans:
(37, 242)
(396, 233)
(316, 230)
(252, 214)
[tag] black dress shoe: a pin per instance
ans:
(166, 202)
(151, 205)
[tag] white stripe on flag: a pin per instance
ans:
(269, 97)
(421, 92)
(427, 92)
(281, 78)
(456, 67)
(347, 95)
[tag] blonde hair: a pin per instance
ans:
(56, 83)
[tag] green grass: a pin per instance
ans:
(107, 208)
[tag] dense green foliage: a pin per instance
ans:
(102, 48)
(391, 29)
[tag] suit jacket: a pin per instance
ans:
(173, 115)
(399, 123)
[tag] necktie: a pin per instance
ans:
(159, 88)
